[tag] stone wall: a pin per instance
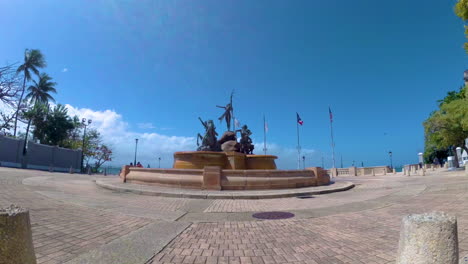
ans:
(355, 171)
(38, 156)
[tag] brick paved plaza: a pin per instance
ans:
(75, 221)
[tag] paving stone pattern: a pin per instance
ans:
(70, 216)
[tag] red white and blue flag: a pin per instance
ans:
(331, 114)
(299, 120)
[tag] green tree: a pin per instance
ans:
(461, 9)
(59, 125)
(38, 116)
(95, 153)
(33, 60)
(51, 127)
(39, 93)
(447, 128)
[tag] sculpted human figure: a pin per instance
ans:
(209, 142)
(228, 113)
(246, 142)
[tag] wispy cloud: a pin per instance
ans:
(146, 126)
(118, 134)
(64, 69)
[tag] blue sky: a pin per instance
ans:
(149, 69)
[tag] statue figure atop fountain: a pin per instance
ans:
(246, 142)
(228, 113)
(209, 142)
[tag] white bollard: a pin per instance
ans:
(430, 238)
(16, 246)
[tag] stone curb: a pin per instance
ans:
(115, 185)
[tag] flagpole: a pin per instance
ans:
(298, 148)
(232, 114)
(264, 135)
(332, 141)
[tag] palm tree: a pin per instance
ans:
(39, 93)
(33, 59)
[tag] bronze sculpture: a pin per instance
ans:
(209, 142)
(228, 113)
(228, 141)
(246, 142)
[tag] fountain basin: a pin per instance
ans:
(198, 159)
(224, 160)
(260, 162)
(215, 178)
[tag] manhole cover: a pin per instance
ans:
(273, 215)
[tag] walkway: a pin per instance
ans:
(75, 221)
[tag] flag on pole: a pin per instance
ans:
(299, 120)
(331, 114)
(237, 123)
(266, 126)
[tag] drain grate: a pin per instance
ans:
(273, 215)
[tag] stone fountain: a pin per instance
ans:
(225, 164)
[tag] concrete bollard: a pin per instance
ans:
(16, 246)
(421, 172)
(394, 171)
(466, 169)
(373, 172)
(428, 238)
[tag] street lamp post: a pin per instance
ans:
(159, 162)
(136, 146)
(85, 123)
(391, 159)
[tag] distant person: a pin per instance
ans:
(436, 161)
(131, 164)
(139, 165)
